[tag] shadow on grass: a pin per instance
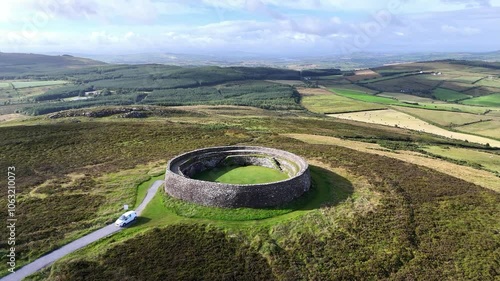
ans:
(139, 221)
(328, 189)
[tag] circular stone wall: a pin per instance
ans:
(179, 184)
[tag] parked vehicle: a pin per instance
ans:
(126, 218)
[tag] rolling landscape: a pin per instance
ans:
(405, 166)
(383, 154)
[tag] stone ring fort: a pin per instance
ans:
(180, 184)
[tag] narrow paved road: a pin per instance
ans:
(77, 244)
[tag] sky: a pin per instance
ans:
(262, 27)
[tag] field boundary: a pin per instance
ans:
(479, 177)
(354, 111)
(418, 125)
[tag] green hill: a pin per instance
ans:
(14, 65)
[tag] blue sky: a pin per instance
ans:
(267, 27)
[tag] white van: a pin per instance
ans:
(126, 218)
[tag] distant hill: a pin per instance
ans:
(14, 65)
(344, 61)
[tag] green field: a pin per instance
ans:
(355, 87)
(458, 77)
(4, 85)
(383, 78)
(443, 118)
(448, 95)
(241, 175)
(490, 81)
(419, 84)
(489, 161)
(488, 129)
(490, 100)
(456, 86)
(454, 107)
(494, 113)
(336, 104)
(357, 95)
(31, 84)
(407, 98)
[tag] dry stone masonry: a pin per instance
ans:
(179, 184)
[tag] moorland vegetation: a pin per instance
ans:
(373, 213)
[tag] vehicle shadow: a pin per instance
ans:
(139, 221)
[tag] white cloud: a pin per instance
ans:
(287, 26)
(403, 6)
(470, 3)
(335, 20)
(145, 11)
(463, 31)
(317, 5)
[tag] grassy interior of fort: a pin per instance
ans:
(241, 175)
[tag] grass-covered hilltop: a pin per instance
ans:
(404, 160)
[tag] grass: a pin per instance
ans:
(103, 154)
(328, 189)
(488, 129)
(456, 86)
(492, 100)
(448, 95)
(454, 107)
(417, 84)
(142, 189)
(476, 158)
(335, 104)
(22, 96)
(241, 175)
(4, 85)
(178, 252)
(383, 78)
(355, 87)
(407, 98)
(403, 221)
(31, 84)
(490, 82)
(394, 118)
(458, 76)
(420, 221)
(357, 95)
(443, 118)
(320, 193)
(493, 113)
(388, 117)
(481, 178)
